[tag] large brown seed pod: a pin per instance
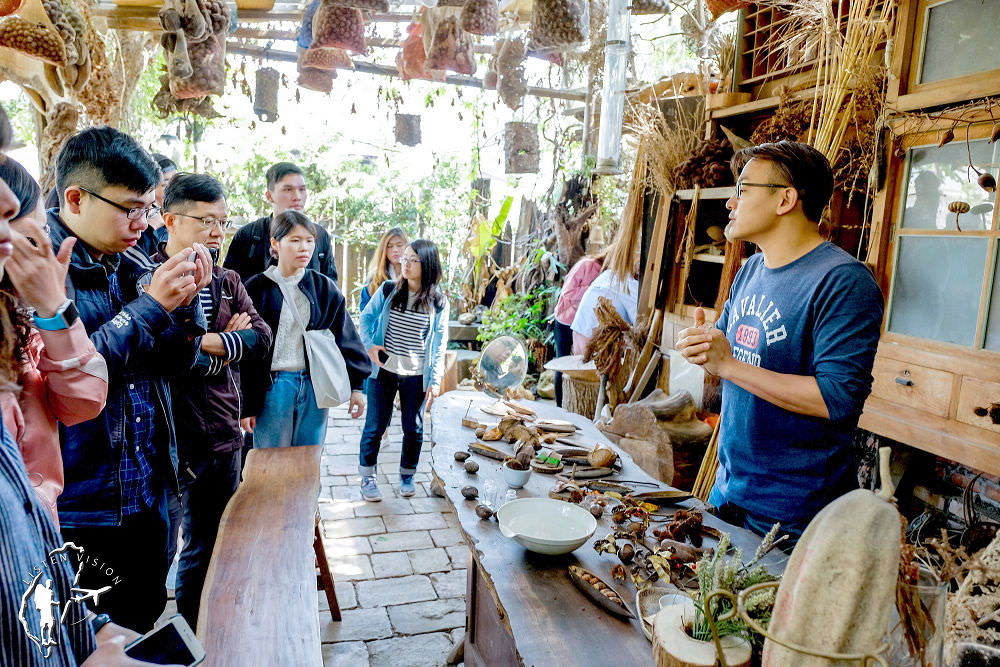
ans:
(626, 553)
(461, 456)
(483, 512)
(471, 467)
(470, 492)
(988, 183)
(34, 39)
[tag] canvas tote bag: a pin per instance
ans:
(327, 370)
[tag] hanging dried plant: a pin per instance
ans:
(664, 145)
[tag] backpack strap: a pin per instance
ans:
(387, 287)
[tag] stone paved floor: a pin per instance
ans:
(399, 565)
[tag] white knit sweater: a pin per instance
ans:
(289, 345)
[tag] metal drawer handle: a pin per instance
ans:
(905, 380)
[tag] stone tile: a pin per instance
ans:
(450, 584)
(357, 624)
(424, 561)
(387, 506)
(391, 564)
(338, 509)
(459, 556)
(419, 539)
(343, 464)
(431, 505)
(415, 651)
(405, 522)
(343, 480)
(352, 527)
(340, 448)
(412, 619)
(346, 546)
(444, 537)
(384, 592)
(352, 492)
(345, 653)
(350, 568)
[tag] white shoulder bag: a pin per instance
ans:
(327, 370)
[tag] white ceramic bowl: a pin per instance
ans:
(515, 479)
(546, 526)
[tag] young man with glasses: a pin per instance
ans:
(250, 251)
(794, 346)
(207, 400)
(120, 465)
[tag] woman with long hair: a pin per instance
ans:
(576, 283)
(278, 391)
(385, 263)
(61, 376)
(405, 330)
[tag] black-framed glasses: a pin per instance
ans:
(131, 213)
(208, 221)
(743, 184)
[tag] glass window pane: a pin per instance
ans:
(939, 176)
(993, 327)
(961, 39)
(938, 287)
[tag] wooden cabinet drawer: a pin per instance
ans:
(901, 382)
(979, 404)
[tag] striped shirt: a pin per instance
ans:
(231, 340)
(27, 537)
(405, 338)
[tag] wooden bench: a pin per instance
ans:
(259, 604)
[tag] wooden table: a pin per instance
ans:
(522, 607)
(258, 606)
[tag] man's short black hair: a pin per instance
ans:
(186, 188)
(166, 164)
(801, 166)
(101, 156)
(279, 171)
(6, 133)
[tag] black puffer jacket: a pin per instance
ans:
(327, 310)
(207, 401)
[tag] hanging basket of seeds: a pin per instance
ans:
(520, 147)
(407, 129)
(365, 5)
(265, 99)
(452, 49)
(328, 59)
(559, 25)
(339, 27)
(316, 79)
(481, 17)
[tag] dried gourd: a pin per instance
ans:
(598, 591)
(481, 17)
(452, 48)
(559, 25)
(411, 59)
(838, 590)
(326, 59)
(33, 39)
(339, 27)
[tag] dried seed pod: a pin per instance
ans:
(576, 496)
(461, 456)
(946, 137)
(626, 553)
(602, 457)
(995, 133)
(988, 183)
(483, 512)
(471, 467)
(480, 432)
(597, 511)
(618, 571)
(470, 492)
(618, 516)
(636, 529)
(34, 39)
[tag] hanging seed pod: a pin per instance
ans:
(947, 137)
(988, 183)
(995, 133)
(958, 208)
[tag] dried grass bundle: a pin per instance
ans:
(623, 251)
(663, 146)
(608, 343)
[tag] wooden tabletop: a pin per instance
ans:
(258, 606)
(551, 621)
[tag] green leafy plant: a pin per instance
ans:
(522, 315)
(716, 572)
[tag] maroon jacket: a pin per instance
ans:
(207, 401)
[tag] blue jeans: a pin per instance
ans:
(756, 523)
(290, 417)
(203, 499)
(381, 391)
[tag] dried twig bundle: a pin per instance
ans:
(608, 343)
(664, 145)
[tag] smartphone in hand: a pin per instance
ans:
(173, 643)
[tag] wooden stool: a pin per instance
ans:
(324, 579)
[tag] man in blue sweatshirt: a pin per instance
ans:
(794, 346)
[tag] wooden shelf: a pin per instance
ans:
(707, 193)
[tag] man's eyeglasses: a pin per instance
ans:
(131, 213)
(741, 185)
(208, 221)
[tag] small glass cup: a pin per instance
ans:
(918, 641)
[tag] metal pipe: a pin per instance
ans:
(609, 142)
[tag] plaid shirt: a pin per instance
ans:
(138, 409)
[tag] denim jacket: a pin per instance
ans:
(141, 336)
(375, 319)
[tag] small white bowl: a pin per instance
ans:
(515, 478)
(545, 525)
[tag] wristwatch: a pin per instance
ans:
(99, 621)
(63, 319)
